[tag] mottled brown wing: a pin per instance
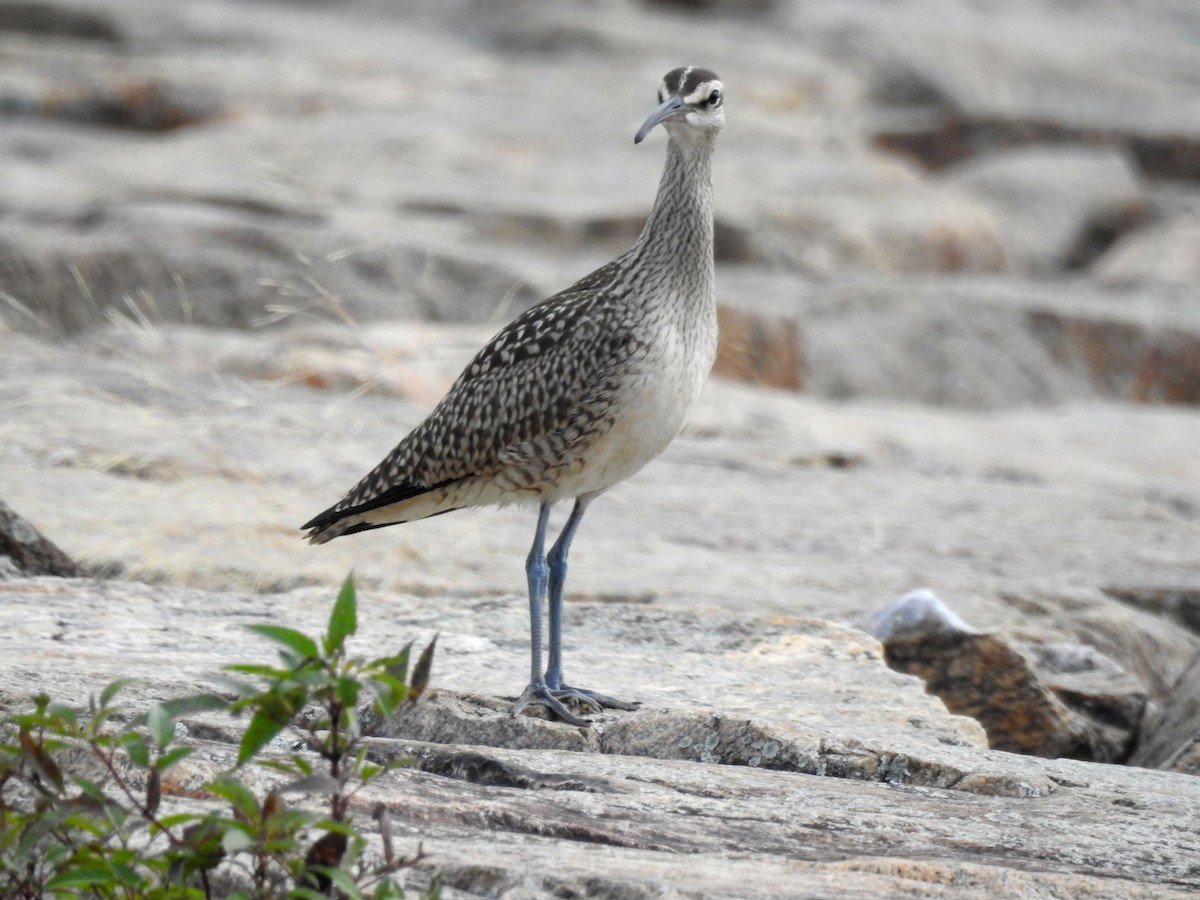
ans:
(544, 381)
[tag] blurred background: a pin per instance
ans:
(246, 244)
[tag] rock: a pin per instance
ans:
(1111, 703)
(876, 217)
(807, 792)
(972, 341)
(166, 438)
(1169, 251)
(216, 265)
(1172, 738)
(1045, 198)
(988, 80)
(1181, 605)
(759, 349)
(55, 20)
(1043, 699)
(24, 551)
(151, 106)
(983, 677)
(723, 7)
(219, 268)
(954, 139)
(1105, 227)
(984, 342)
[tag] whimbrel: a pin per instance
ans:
(576, 394)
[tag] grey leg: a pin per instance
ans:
(558, 577)
(538, 574)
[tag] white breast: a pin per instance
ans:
(654, 402)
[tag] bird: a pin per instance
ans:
(577, 393)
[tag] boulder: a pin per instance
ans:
(1172, 739)
(167, 438)
(233, 277)
(25, 551)
(1051, 700)
(1045, 198)
(988, 342)
(1168, 251)
(771, 752)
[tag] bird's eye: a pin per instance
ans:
(714, 98)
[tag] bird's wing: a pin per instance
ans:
(542, 385)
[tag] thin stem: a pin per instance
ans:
(143, 810)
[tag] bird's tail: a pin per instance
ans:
(398, 504)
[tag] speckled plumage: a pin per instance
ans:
(583, 389)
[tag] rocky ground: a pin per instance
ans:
(244, 246)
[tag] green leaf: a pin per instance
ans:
(347, 690)
(55, 856)
(327, 824)
(62, 713)
(396, 666)
(95, 725)
(388, 890)
(261, 731)
(89, 788)
(277, 765)
(351, 729)
(294, 640)
(168, 822)
(162, 728)
(135, 747)
(235, 840)
(171, 757)
(342, 880)
(113, 688)
(81, 877)
(194, 703)
(126, 875)
(239, 796)
(263, 671)
(343, 621)
(389, 693)
(237, 687)
(201, 843)
(367, 772)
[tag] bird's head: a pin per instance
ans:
(691, 105)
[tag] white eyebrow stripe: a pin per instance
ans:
(703, 90)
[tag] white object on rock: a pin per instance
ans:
(917, 612)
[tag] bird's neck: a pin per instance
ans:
(677, 239)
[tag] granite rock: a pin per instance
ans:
(850, 789)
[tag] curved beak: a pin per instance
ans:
(669, 107)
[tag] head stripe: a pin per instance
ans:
(686, 81)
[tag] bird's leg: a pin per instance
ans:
(557, 561)
(558, 575)
(538, 572)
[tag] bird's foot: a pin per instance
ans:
(555, 700)
(537, 692)
(594, 699)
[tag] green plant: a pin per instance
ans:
(81, 794)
